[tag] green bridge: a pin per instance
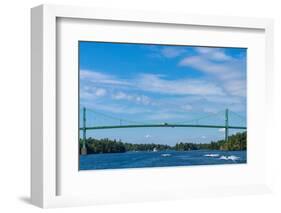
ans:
(226, 126)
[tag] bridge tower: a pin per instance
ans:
(84, 148)
(226, 125)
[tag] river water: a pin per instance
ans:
(160, 159)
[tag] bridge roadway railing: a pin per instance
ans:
(161, 125)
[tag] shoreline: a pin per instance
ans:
(167, 151)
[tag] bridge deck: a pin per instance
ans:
(161, 125)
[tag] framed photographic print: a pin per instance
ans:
(167, 101)
(185, 106)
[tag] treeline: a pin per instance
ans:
(95, 146)
(237, 141)
(146, 147)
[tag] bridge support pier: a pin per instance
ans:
(83, 151)
(84, 148)
(226, 125)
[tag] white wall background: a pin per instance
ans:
(15, 103)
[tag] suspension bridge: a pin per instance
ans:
(123, 123)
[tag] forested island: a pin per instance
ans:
(235, 142)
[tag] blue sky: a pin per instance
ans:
(145, 83)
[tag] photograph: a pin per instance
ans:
(161, 105)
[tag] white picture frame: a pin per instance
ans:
(45, 171)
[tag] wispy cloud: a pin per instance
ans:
(101, 78)
(142, 99)
(166, 51)
(116, 108)
(156, 83)
(153, 83)
(172, 52)
(236, 87)
(203, 64)
(216, 54)
(186, 107)
(163, 116)
(210, 109)
(100, 88)
(87, 92)
(217, 64)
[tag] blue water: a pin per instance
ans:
(160, 159)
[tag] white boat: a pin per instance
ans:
(155, 150)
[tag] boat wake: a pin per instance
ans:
(212, 155)
(222, 157)
(166, 155)
(231, 157)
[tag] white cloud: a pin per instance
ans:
(114, 107)
(172, 52)
(204, 65)
(221, 130)
(166, 52)
(163, 116)
(92, 93)
(225, 100)
(216, 54)
(220, 56)
(141, 99)
(181, 92)
(229, 72)
(210, 109)
(154, 83)
(203, 137)
(151, 83)
(204, 50)
(187, 107)
(121, 96)
(101, 78)
(96, 85)
(236, 87)
(100, 92)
